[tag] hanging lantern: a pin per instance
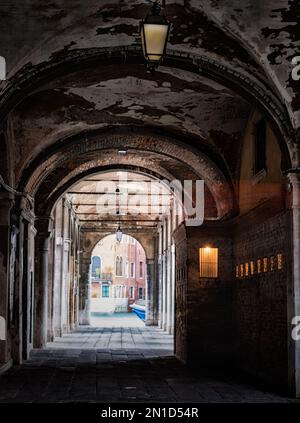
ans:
(119, 234)
(154, 34)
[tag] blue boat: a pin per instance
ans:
(139, 310)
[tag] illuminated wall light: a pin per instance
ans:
(265, 264)
(242, 270)
(208, 260)
(279, 261)
(252, 268)
(259, 266)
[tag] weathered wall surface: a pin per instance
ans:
(209, 300)
(204, 306)
(260, 299)
(255, 189)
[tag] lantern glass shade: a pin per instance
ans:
(119, 234)
(154, 33)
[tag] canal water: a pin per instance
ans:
(128, 320)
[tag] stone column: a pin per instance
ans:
(17, 283)
(159, 276)
(28, 284)
(294, 286)
(65, 251)
(84, 292)
(164, 277)
(169, 277)
(6, 203)
(169, 297)
(150, 293)
(42, 245)
(173, 275)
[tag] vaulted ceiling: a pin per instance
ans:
(56, 90)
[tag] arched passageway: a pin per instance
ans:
(205, 152)
(106, 274)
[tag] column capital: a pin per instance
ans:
(44, 229)
(294, 177)
(294, 180)
(28, 215)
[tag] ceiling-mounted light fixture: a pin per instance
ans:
(119, 232)
(154, 34)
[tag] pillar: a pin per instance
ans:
(150, 293)
(294, 286)
(28, 284)
(42, 245)
(164, 277)
(6, 203)
(169, 277)
(173, 273)
(159, 276)
(84, 292)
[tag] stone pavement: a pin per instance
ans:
(117, 365)
(136, 338)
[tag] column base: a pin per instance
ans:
(4, 367)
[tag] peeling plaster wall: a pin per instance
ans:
(173, 99)
(254, 36)
(270, 30)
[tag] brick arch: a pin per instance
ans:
(249, 87)
(56, 170)
(94, 238)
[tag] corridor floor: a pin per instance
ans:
(117, 365)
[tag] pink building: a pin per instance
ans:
(118, 270)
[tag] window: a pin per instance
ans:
(242, 270)
(259, 266)
(252, 267)
(132, 269)
(119, 266)
(140, 293)
(131, 293)
(208, 258)
(237, 273)
(279, 261)
(96, 267)
(260, 146)
(265, 264)
(272, 263)
(141, 269)
(246, 269)
(105, 291)
(119, 291)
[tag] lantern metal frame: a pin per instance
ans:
(154, 17)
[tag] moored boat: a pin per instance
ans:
(139, 309)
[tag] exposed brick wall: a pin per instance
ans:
(181, 294)
(209, 300)
(260, 300)
(205, 325)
